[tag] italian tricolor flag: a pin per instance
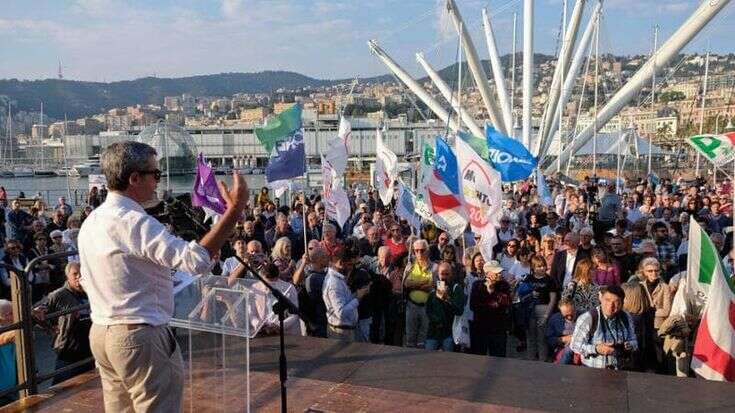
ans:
(715, 345)
(702, 265)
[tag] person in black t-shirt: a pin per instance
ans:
(542, 291)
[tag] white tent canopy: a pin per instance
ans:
(630, 142)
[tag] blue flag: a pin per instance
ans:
(509, 156)
(445, 165)
(283, 137)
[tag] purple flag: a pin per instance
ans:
(205, 192)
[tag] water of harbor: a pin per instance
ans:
(76, 189)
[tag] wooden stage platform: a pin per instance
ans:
(330, 376)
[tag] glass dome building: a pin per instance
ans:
(175, 147)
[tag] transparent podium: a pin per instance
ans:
(215, 319)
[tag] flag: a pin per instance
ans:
(445, 164)
(714, 349)
(386, 169)
(544, 196)
(508, 156)
(446, 209)
(719, 149)
(703, 263)
(205, 192)
(283, 139)
(406, 206)
(481, 192)
(336, 152)
(336, 202)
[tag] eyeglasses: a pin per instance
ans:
(419, 250)
(156, 174)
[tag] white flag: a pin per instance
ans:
(336, 153)
(544, 196)
(336, 202)
(481, 191)
(386, 169)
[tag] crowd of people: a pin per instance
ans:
(589, 278)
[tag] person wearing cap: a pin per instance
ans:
(490, 303)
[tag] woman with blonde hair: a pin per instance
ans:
(582, 290)
(548, 249)
(281, 256)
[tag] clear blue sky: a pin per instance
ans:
(105, 40)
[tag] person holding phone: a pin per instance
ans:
(445, 302)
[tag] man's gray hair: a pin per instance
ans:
(69, 267)
(120, 159)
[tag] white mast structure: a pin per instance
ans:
(560, 112)
(446, 93)
(701, 111)
(653, 95)
(500, 87)
(476, 69)
(686, 32)
(571, 79)
(413, 85)
(696, 22)
(527, 70)
(569, 37)
(513, 76)
(597, 87)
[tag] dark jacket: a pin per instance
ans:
(71, 343)
(5, 290)
(559, 265)
(491, 311)
(441, 313)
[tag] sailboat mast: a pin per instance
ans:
(41, 139)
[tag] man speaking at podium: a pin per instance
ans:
(126, 260)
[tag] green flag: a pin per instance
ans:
(279, 128)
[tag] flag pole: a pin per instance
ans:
(306, 182)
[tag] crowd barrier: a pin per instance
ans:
(28, 376)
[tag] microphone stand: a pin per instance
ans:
(282, 305)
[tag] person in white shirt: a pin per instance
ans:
(340, 302)
(126, 260)
(291, 324)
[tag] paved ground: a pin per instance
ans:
(331, 376)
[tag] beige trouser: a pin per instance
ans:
(340, 333)
(140, 366)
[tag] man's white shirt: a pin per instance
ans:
(126, 259)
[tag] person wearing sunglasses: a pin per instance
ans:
(418, 281)
(126, 259)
